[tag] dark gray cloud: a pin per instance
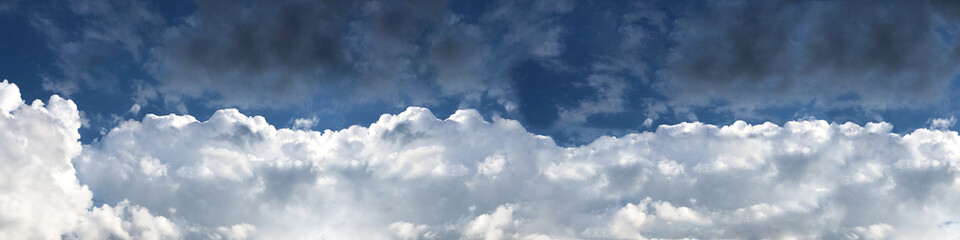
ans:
(838, 53)
(248, 50)
(262, 53)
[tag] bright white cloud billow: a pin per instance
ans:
(40, 197)
(414, 176)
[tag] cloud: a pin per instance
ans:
(108, 36)
(742, 56)
(271, 53)
(412, 175)
(254, 49)
(304, 123)
(405, 230)
(610, 98)
(943, 123)
(40, 196)
(756, 54)
(491, 226)
(9, 97)
(9, 6)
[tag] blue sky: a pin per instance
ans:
(508, 119)
(571, 70)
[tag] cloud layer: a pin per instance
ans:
(414, 176)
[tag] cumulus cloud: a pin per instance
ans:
(491, 226)
(40, 196)
(755, 54)
(414, 176)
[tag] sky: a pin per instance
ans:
(430, 119)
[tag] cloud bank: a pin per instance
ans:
(414, 176)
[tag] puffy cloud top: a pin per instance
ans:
(412, 176)
(9, 97)
(40, 197)
(415, 176)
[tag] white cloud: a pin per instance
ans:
(492, 226)
(40, 197)
(491, 165)
(411, 173)
(668, 212)
(413, 176)
(405, 230)
(628, 221)
(943, 123)
(9, 97)
(876, 231)
(238, 231)
(305, 123)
